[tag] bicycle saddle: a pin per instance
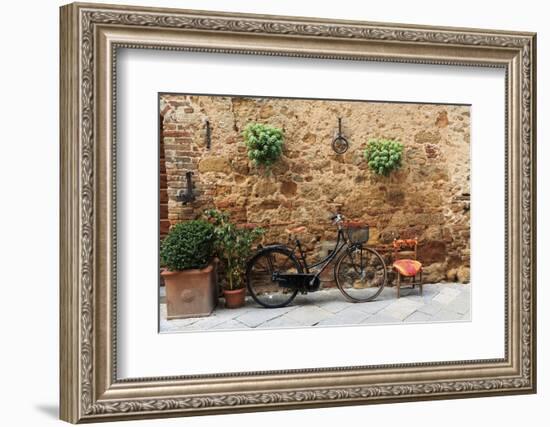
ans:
(296, 230)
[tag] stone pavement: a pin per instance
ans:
(442, 302)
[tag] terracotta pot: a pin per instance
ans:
(234, 298)
(191, 293)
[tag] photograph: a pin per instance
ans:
(278, 212)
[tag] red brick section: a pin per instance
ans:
(163, 199)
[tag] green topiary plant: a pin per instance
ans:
(233, 246)
(264, 143)
(384, 155)
(188, 245)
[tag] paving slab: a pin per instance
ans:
(401, 309)
(427, 296)
(309, 315)
(445, 315)
(372, 307)
(380, 318)
(446, 295)
(281, 322)
(256, 317)
(432, 308)
(324, 296)
(461, 304)
(230, 313)
(418, 317)
(336, 306)
(232, 324)
(348, 316)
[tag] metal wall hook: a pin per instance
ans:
(340, 144)
(187, 196)
(208, 135)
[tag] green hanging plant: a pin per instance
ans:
(384, 155)
(264, 143)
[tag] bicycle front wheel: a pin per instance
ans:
(259, 277)
(360, 274)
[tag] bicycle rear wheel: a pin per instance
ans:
(360, 274)
(259, 277)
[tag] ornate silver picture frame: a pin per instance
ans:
(91, 390)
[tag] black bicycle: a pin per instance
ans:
(276, 273)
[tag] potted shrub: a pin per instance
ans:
(233, 247)
(264, 143)
(189, 270)
(384, 155)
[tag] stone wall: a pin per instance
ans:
(427, 198)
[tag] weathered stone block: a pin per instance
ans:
(266, 111)
(264, 188)
(225, 203)
(432, 251)
(463, 274)
(388, 235)
(432, 151)
(442, 120)
(241, 167)
(396, 197)
(433, 273)
(214, 164)
(451, 275)
(269, 204)
(289, 188)
(423, 137)
(309, 138)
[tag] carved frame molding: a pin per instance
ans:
(90, 37)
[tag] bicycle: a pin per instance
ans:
(277, 272)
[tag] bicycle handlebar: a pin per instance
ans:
(337, 218)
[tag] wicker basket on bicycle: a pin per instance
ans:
(357, 232)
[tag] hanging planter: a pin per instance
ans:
(384, 155)
(264, 143)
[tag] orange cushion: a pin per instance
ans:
(407, 267)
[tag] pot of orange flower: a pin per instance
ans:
(233, 247)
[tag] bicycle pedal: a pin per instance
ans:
(314, 284)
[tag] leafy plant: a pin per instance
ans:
(233, 246)
(384, 155)
(188, 245)
(264, 143)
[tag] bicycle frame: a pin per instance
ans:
(321, 265)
